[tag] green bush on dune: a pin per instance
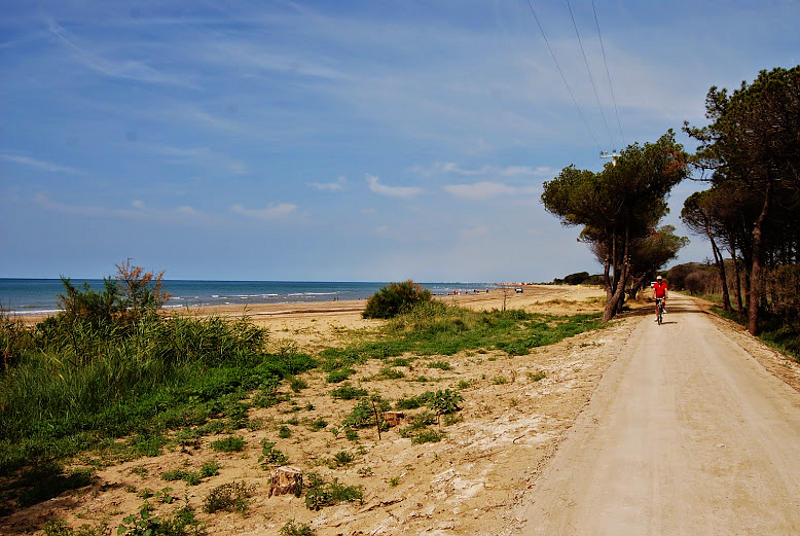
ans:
(395, 298)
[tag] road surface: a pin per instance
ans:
(686, 434)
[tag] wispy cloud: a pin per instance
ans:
(270, 212)
(137, 210)
(444, 168)
(391, 191)
(129, 69)
(253, 57)
(487, 189)
(202, 155)
(40, 164)
(330, 186)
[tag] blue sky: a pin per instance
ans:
(340, 140)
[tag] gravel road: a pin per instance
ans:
(686, 434)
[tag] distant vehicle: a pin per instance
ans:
(518, 290)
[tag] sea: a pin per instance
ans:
(40, 296)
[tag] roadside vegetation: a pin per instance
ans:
(112, 379)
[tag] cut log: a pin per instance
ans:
(393, 418)
(284, 480)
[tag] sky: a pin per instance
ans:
(342, 141)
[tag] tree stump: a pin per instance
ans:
(393, 418)
(284, 480)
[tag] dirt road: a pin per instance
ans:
(686, 434)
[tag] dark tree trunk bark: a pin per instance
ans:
(755, 273)
(720, 261)
(612, 305)
(738, 277)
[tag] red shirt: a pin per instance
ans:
(660, 289)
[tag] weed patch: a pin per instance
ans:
(348, 392)
(321, 493)
(229, 444)
(230, 497)
(291, 528)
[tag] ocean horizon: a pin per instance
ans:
(21, 296)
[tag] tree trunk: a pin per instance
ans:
(718, 258)
(738, 277)
(755, 273)
(284, 480)
(612, 305)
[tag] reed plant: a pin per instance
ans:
(74, 384)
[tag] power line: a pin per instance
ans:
(608, 74)
(589, 71)
(563, 78)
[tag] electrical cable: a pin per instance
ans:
(564, 78)
(589, 71)
(608, 74)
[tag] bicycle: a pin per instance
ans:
(659, 310)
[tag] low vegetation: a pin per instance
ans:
(434, 328)
(122, 386)
(394, 299)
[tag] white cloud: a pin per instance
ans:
(330, 186)
(486, 190)
(47, 166)
(271, 212)
(392, 191)
(443, 168)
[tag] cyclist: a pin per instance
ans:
(660, 293)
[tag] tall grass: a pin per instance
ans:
(75, 384)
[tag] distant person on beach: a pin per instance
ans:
(660, 292)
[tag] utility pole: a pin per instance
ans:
(613, 156)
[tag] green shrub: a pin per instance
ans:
(395, 298)
(414, 402)
(229, 444)
(443, 365)
(284, 432)
(270, 455)
(321, 493)
(348, 392)
(342, 458)
(363, 415)
(56, 527)
(192, 478)
(296, 529)
(230, 497)
(537, 376)
(297, 384)
(318, 424)
(209, 469)
(445, 402)
(340, 375)
(427, 436)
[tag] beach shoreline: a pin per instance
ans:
(531, 296)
